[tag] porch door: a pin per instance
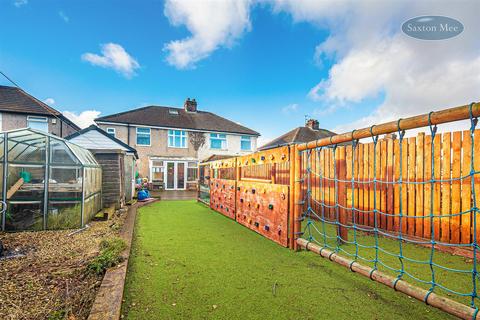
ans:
(170, 173)
(175, 175)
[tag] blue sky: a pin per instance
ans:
(265, 65)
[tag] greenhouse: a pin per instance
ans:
(47, 182)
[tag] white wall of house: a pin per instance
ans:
(233, 147)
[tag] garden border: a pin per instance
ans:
(108, 302)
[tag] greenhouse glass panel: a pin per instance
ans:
(24, 216)
(61, 153)
(45, 186)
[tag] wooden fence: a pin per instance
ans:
(413, 185)
(404, 185)
(254, 190)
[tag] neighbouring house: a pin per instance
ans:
(19, 109)
(171, 141)
(311, 131)
(117, 160)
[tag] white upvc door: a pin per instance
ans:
(175, 175)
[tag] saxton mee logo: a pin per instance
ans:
(432, 27)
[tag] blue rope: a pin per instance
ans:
(316, 204)
(473, 124)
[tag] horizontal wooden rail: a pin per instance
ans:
(453, 307)
(256, 180)
(435, 117)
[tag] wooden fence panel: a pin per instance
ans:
(466, 187)
(427, 200)
(456, 187)
(419, 188)
(446, 186)
(437, 149)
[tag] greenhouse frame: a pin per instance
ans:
(47, 182)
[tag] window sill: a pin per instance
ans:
(177, 147)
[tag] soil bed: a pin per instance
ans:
(44, 274)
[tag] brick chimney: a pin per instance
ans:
(312, 124)
(190, 105)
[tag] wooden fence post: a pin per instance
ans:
(297, 197)
(342, 195)
(291, 198)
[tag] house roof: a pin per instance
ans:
(215, 157)
(14, 99)
(98, 144)
(298, 135)
(159, 116)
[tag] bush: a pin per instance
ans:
(109, 256)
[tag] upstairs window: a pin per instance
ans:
(37, 123)
(111, 131)
(177, 139)
(143, 136)
(218, 141)
(246, 143)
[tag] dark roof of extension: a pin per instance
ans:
(13, 99)
(103, 132)
(298, 135)
(157, 116)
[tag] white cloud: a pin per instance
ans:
(84, 119)
(20, 3)
(114, 57)
(373, 58)
(63, 16)
(291, 108)
(212, 24)
(49, 101)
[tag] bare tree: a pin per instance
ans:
(197, 139)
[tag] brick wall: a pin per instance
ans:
(12, 121)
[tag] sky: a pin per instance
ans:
(264, 64)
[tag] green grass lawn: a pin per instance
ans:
(416, 262)
(189, 262)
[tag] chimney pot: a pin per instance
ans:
(190, 105)
(312, 124)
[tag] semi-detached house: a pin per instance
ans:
(171, 141)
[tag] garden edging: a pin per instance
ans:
(108, 302)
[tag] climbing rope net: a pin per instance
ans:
(398, 215)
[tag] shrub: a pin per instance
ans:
(109, 256)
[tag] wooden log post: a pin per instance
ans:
(342, 195)
(455, 308)
(291, 197)
(436, 117)
(298, 205)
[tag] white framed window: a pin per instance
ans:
(158, 170)
(111, 131)
(218, 141)
(192, 171)
(38, 123)
(143, 136)
(246, 143)
(177, 139)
